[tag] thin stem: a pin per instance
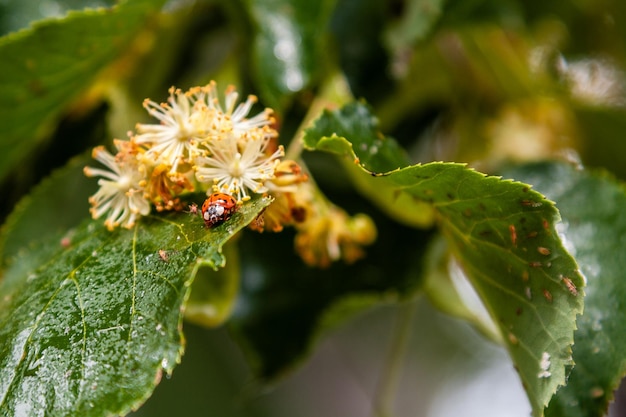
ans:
(385, 394)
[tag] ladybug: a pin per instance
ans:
(218, 208)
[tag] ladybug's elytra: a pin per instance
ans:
(218, 208)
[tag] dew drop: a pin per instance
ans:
(544, 374)
(528, 293)
(544, 365)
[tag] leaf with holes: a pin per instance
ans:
(89, 328)
(503, 235)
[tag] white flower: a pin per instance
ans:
(236, 164)
(172, 140)
(192, 117)
(235, 117)
(120, 196)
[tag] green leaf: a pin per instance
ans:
(64, 196)
(16, 14)
(503, 234)
(594, 225)
(374, 152)
(353, 131)
(49, 65)
(89, 328)
(289, 45)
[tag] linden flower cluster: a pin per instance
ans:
(324, 232)
(202, 143)
(198, 144)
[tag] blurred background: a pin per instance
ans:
(447, 370)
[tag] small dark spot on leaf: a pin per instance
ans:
(513, 234)
(450, 196)
(525, 275)
(467, 213)
(531, 203)
(544, 251)
(597, 392)
(547, 295)
(570, 286)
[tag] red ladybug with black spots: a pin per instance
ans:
(218, 208)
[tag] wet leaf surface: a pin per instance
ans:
(90, 327)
